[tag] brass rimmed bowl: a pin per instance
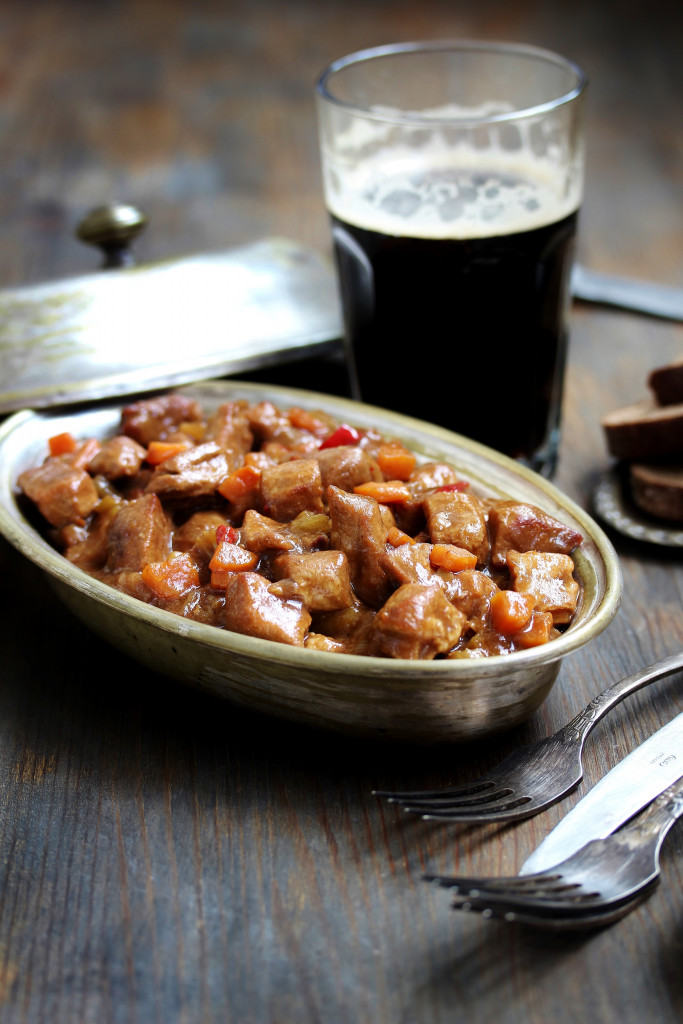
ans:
(425, 701)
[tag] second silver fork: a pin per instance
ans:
(600, 883)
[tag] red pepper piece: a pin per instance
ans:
(461, 485)
(224, 532)
(344, 434)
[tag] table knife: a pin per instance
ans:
(632, 784)
(626, 293)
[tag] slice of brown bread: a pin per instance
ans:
(644, 431)
(666, 383)
(658, 489)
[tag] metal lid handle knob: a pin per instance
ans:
(113, 228)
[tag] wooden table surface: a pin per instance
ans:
(167, 858)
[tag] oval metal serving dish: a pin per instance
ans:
(425, 701)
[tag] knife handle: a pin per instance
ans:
(579, 727)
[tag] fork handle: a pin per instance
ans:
(654, 822)
(580, 726)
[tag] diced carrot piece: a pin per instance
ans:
(62, 444)
(240, 482)
(159, 451)
(171, 578)
(451, 557)
(233, 558)
(510, 611)
(396, 537)
(385, 493)
(537, 632)
(220, 578)
(305, 420)
(395, 461)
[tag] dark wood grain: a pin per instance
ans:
(166, 858)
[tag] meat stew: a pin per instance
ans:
(286, 525)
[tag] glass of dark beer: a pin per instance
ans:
(453, 174)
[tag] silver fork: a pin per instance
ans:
(534, 776)
(603, 881)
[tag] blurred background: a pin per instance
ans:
(201, 113)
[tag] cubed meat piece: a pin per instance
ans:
(358, 530)
(277, 453)
(260, 533)
(346, 467)
(456, 517)
(83, 454)
(322, 578)
(540, 631)
(140, 533)
(153, 419)
(271, 425)
(251, 608)
(201, 604)
(118, 457)
(418, 622)
(350, 627)
(197, 537)
(471, 594)
(194, 531)
(62, 493)
(410, 515)
(194, 473)
(229, 427)
(266, 421)
(319, 642)
(549, 577)
(485, 644)
(128, 582)
(88, 548)
(430, 475)
(410, 563)
(291, 488)
(514, 526)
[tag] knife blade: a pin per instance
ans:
(627, 293)
(632, 784)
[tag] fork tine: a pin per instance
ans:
(451, 792)
(502, 809)
(552, 921)
(448, 801)
(581, 902)
(547, 888)
(550, 890)
(567, 894)
(497, 776)
(511, 883)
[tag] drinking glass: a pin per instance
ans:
(453, 175)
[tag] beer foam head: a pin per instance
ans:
(453, 177)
